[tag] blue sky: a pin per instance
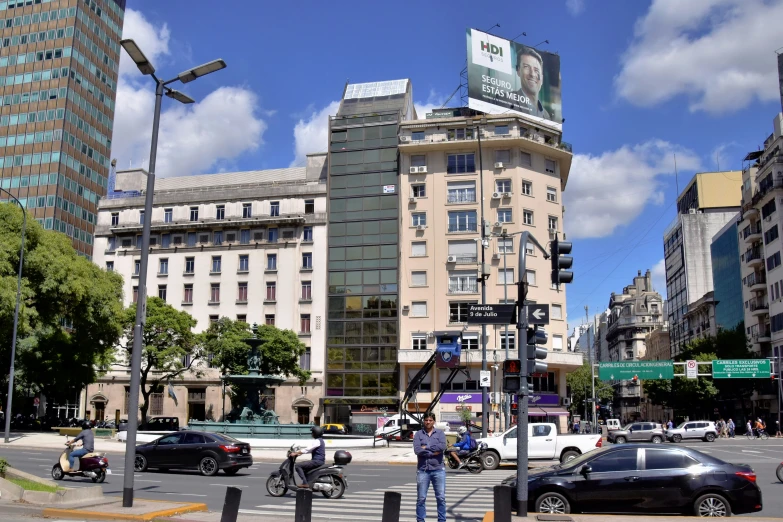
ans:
(642, 81)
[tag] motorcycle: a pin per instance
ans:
(472, 460)
(329, 480)
(780, 472)
(92, 465)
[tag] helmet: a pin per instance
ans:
(317, 432)
(86, 425)
(462, 430)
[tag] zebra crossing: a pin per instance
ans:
(468, 498)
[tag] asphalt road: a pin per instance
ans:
(468, 496)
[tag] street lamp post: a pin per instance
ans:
(146, 68)
(9, 402)
(484, 240)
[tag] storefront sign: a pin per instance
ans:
(472, 397)
(542, 399)
(463, 408)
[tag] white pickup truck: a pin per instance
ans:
(544, 443)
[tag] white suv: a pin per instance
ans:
(704, 430)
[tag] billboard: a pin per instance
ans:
(508, 77)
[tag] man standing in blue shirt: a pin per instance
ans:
(429, 444)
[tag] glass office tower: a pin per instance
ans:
(58, 83)
(727, 278)
(363, 307)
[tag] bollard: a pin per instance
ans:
(304, 505)
(503, 496)
(391, 506)
(231, 505)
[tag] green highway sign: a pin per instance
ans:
(741, 369)
(614, 371)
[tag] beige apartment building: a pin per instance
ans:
(525, 170)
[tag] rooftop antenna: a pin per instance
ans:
(676, 178)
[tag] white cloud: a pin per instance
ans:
(193, 139)
(717, 52)
(610, 190)
(575, 7)
(659, 277)
(310, 134)
(722, 159)
(434, 101)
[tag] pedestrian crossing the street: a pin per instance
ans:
(468, 498)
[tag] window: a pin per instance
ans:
(307, 260)
(191, 239)
(463, 250)
(110, 266)
(309, 206)
(768, 208)
(771, 235)
(460, 134)
(244, 263)
(419, 278)
(271, 261)
(304, 323)
(530, 275)
(242, 292)
(269, 319)
(541, 431)
(623, 460)
(506, 276)
(419, 219)
(550, 166)
(141, 217)
(418, 160)
(503, 185)
(419, 309)
(304, 359)
(501, 130)
(552, 223)
(461, 192)
(527, 188)
(458, 312)
(187, 296)
(214, 293)
(504, 215)
(115, 219)
(135, 294)
(557, 311)
(551, 194)
(527, 217)
(464, 221)
(217, 238)
(162, 292)
(505, 245)
(461, 163)
(417, 135)
(667, 459)
(242, 318)
(138, 242)
(418, 191)
(194, 213)
(307, 291)
(220, 212)
(463, 282)
(307, 234)
(508, 340)
(274, 208)
(557, 343)
(271, 291)
(470, 341)
(525, 159)
(216, 264)
(503, 156)
(773, 261)
(190, 265)
(111, 247)
(163, 266)
(418, 248)
(419, 342)
(272, 235)
(136, 267)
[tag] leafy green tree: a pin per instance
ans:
(169, 347)
(581, 389)
(693, 397)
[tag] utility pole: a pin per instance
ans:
(592, 377)
(484, 275)
(507, 406)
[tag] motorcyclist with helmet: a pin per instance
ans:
(88, 444)
(463, 447)
(318, 450)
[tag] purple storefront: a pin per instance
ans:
(542, 407)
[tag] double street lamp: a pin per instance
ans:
(16, 320)
(146, 68)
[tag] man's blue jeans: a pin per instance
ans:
(76, 454)
(423, 479)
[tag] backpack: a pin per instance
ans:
(473, 444)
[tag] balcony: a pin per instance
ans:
(471, 227)
(752, 233)
(757, 283)
(465, 287)
(767, 188)
(461, 198)
(764, 336)
(462, 259)
(759, 308)
(754, 258)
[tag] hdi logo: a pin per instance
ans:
(491, 49)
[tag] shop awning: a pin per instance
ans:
(546, 412)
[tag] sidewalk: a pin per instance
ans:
(142, 510)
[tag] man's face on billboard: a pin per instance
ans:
(530, 75)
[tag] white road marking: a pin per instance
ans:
(141, 480)
(186, 494)
(229, 486)
(358, 475)
(750, 451)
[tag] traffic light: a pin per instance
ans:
(535, 353)
(512, 369)
(560, 261)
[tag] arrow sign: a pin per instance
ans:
(538, 314)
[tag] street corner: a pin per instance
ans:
(143, 511)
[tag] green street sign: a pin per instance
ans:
(614, 371)
(741, 369)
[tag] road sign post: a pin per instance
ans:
(484, 378)
(491, 314)
(741, 369)
(692, 369)
(649, 370)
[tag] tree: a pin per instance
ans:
(169, 347)
(70, 316)
(692, 397)
(581, 389)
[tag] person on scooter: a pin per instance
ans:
(318, 449)
(463, 447)
(88, 444)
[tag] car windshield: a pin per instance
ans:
(627, 427)
(389, 424)
(682, 424)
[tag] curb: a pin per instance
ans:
(489, 516)
(143, 517)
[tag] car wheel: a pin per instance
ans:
(712, 505)
(656, 440)
(338, 489)
(276, 486)
(710, 437)
(99, 477)
(140, 463)
(490, 460)
(619, 440)
(231, 471)
(553, 503)
(677, 438)
(780, 473)
(208, 466)
(568, 455)
(57, 472)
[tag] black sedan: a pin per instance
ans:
(205, 452)
(645, 478)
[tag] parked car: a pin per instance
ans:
(336, 429)
(637, 432)
(704, 430)
(160, 424)
(648, 478)
(205, 452)
(393, 428)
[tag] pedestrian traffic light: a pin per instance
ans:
(535, 353)
(560, 261)
(512, 369)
